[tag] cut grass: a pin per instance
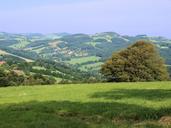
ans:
(107, 105)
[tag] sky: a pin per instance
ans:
(126, 17)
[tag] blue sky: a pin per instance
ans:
(127, 17)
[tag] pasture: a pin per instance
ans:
(103, 105)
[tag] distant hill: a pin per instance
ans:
(86, 52)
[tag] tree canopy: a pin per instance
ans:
(139, 62)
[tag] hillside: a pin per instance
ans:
(17, 71)
(123, 105)
(78, 52)
(87, 52)
(16, 56)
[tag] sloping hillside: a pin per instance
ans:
(34, 71)
(87, 52)
(2, 52)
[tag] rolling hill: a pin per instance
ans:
(86, 52)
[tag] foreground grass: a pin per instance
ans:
(123, 105)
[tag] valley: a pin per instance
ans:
(81, 53)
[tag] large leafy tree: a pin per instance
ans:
(139, 62)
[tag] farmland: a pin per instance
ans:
(83, 60)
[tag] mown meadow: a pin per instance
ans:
(103, 105)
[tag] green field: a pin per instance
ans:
(93, 43)
(22, 42)
(39, 68)
(83, 59)
(110, 105)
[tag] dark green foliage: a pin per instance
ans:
(5, 43)
(61, 70)
(169, 69)
(166, 53)
(28, 75)
(16, 73)
(38, 79)
(21, 53)
(38, 43)
(139, 62)
(10, 78)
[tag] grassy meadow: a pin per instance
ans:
(107, 105)
(83, 59)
